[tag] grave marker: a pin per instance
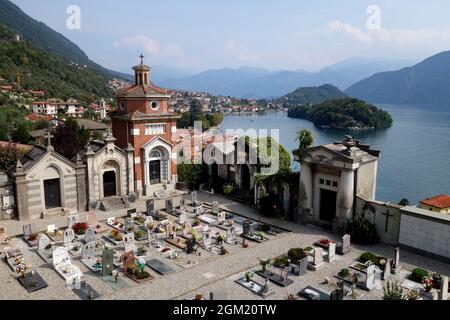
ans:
(88, 251)
(150, 205)
(72, 219)
(194, 200)
(215, 208)
(51, 228)
(89, 235)
(107, 262)
(29, 229)
(344, 247)
(331, 251)
(169, 206)
(443, 293)
(182, 218)
(317, 258)
(44, 242)
(370, 277)
(387, 269)
(396, 263)
(69, 236)
(221, 217)
(129, 243)
(246, 227)
(190, 245)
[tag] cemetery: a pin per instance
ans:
(160, 246)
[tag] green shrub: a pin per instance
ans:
(297, 254)
(363, 231)
(281, 262)
(271, 206)
(228, 189)
(344, 273)
(419, 274)
(369, 256)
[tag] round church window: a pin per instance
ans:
(154, 105)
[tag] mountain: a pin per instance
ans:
(247, 82)
(44, 38)
(217, 82)
(164, 73)
(427, 82)
(41, 70)
(312, 95)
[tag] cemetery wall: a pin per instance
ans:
(386, 217)
(425, 232)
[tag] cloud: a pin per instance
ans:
(151, 46)
(240, 52)
(401, 38)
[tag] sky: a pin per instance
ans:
(196, 35)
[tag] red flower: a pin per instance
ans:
(80, 228)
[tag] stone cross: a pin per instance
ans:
(443, 293)
(142, 58)
(388, 215)
(387, 269)
(49, 137)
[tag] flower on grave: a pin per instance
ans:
(249, 275)
(428, 284)
(80, 228)
(382, 262)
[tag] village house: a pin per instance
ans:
(439, 204)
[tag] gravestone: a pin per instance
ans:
(169, 206)
(132, 213)
(221, 217)
(207, 239)
(88, 251)
(337, 294)
(107, 262)
(72, 219)
(190, 245)
(150, 205)
(182, 218)
(128, 259)
(331, 251)
(89, 235)
(443, 293)
(387, 269)
(129, 223)
(396, 263)
(160, 266)
(69, 236)
(344, 247)
(215, 208)
(199, 211)
(170, 231)
(317, 258)
(129, 243)
(194, 200)
(370, 277)
(246, 227)
(91, 218)
(182, 203)
(230, 234)
(44, 242)
(29, 229)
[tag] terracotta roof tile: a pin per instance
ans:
(441, 201)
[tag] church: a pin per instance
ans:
(144, 123)
(331, 178)
(135, 158)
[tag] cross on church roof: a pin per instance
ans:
(49, 137)
(142, 58)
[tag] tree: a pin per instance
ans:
(89, 114)
(21, 134)
(9, 155)
(70, 138)
(404, 202)
(305, 140)
(42, 124)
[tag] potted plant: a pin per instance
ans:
(392, 291)
(264, 263)
(344, 273)
(419, 275)
(428, 284)
(220, 239)
(249, 275)
(80, 228)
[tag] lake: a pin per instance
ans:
(415, 151)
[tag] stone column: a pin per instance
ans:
(130, 168)
(82, 203)
(146, 180)
(345, 199)
(21, 193)
(305, 197)
(90, 175)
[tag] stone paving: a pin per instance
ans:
(210, 272)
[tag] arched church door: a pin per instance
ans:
(109, 184)
(155, 167)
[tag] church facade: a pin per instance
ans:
(331, 178)
(144, 123)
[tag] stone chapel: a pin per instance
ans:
(331, 177)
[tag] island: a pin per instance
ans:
(348, 113)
